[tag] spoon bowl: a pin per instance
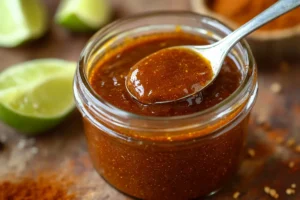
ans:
(167, 75)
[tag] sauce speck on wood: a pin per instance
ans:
(168, 75)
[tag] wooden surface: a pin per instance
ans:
(64, 149)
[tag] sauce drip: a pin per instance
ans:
(168, 75)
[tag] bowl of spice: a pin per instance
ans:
(277, 38)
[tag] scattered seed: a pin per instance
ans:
(291, 164)
(272, 192)
(293, 185)
(276, 87)
(236, 195)
(251, 152)
(290, 191)
(267, 189)
(290, 142)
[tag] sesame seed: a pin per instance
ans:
(275, 87)
(293, 185)
(267, 189)
(272, 192)
(236, 195)
(290, 191)
(251, 152)
(291, 164)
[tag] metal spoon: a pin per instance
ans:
(217, 51)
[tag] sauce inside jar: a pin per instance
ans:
(163, 166)
(168, 75)
(109, 76)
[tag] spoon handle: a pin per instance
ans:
(276, 10)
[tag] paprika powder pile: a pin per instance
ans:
(40, 188)
(241, 11)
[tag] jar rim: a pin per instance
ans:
(223, 106)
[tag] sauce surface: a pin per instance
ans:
(168, 75)
(109, 75)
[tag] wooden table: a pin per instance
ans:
(64, 148)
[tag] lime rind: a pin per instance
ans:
(73, 23)
(83, 15)
(39, 96)
(21, 20)
(26, 124)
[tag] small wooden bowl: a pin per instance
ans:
(279, 44)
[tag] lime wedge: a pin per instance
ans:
(21, 20)
(83, 15)
(36, 95)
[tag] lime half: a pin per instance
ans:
(36, 95)
(83, 15)
(21, 20)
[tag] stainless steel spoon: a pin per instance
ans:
(217, 51)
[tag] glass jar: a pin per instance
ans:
(180, 157)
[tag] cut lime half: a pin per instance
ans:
(21, 20)
(36, 95)
(83, 15)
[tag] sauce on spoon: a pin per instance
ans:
(168, 75)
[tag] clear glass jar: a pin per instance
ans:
(180, 157)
